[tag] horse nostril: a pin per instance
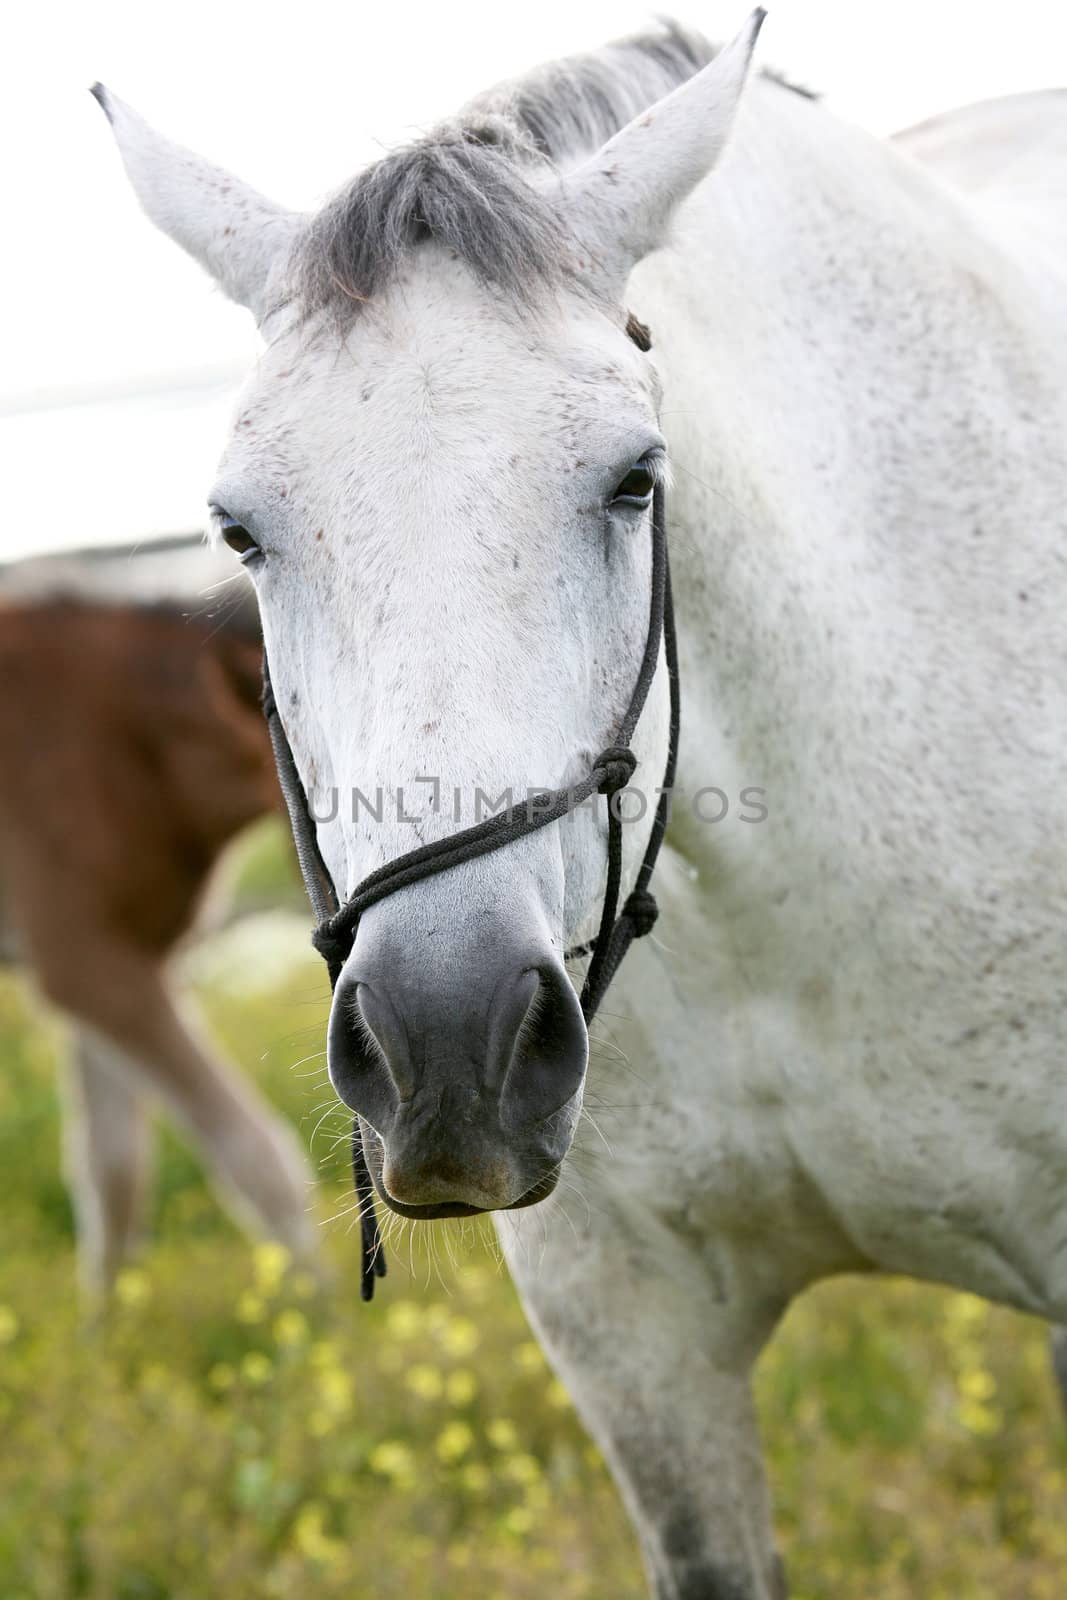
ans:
(496, 1050)
(549, 1054)
(383, 1036)
(361, 1063)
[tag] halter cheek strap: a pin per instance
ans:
(337, 924)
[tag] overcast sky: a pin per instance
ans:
(294, 98)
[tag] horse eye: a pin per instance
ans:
(637, 486)
(239, 539)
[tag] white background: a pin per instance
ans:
(118, 358)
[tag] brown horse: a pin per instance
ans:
(132, 750)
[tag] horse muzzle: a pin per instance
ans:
(466, 1073)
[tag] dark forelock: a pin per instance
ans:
(471, 186)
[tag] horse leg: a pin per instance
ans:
(656, 1351)
(250, 1150)
(108, 1141)
(1058, 1344)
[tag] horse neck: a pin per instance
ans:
(804, 323)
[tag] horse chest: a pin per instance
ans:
(892, 1104)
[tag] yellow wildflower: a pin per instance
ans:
(460, 1336)
(311, 1538)
(270, 1261)
(9, 1325)
(335, 1390)
(391, 1459)
(221, 1377)
(404, 1320)
(538, 1497)
(982, 1420)
(501, 1433)
(977, 1384)
(256, 1368)
(522, 1468)
(454, 1440)
(133, 1287)
(290, 1328)
(425, 1381)
(966, 1312)
(461, 1387)
(528, 1356)
(250, 1307)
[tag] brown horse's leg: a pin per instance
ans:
(108, 1146)
(250, 1150)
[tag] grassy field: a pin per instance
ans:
(232, 1431)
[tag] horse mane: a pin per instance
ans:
(467, 184)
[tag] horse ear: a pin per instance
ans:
(620, 201)
(231, 229)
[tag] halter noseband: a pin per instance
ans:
(337, 924)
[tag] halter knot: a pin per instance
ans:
(333, 945)
(641, 910)
(618, 765)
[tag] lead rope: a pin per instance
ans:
(336, 924)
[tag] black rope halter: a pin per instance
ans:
(337, 924)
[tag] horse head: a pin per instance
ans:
(440, 477)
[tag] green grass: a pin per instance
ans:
(232, 1431)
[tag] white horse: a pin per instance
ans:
(843, 1049)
